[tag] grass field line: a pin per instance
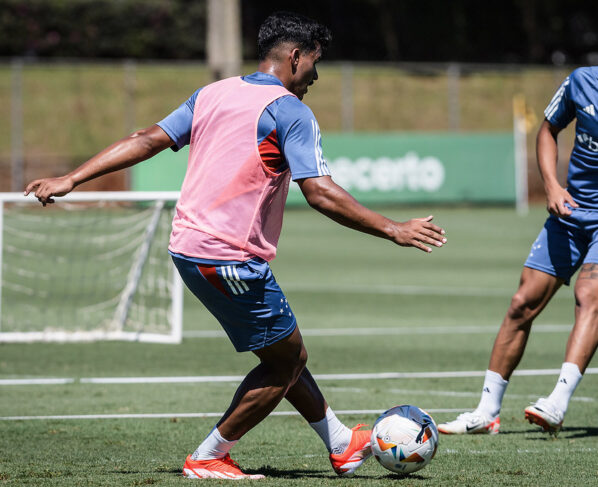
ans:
(524, 451)
(433, 392)
(398, 289)
(37, 382)
(237, 378)
(195, 415)
(415, 330)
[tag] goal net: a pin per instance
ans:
(92, 266)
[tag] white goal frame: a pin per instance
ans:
(176, 295)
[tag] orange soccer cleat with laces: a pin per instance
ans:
(223, 468)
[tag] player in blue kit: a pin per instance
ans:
(248, 137)
(568, 241)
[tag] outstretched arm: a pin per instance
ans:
(547, 153)
(137, 147)
(327, 197)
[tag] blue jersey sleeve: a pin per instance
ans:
(561, 109)
(178, 124)
(299, 138)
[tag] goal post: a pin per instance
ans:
(91, 266)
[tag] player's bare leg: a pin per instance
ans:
(549, 412)
(306, 397)
(282, 373)
(583, 339)
(535, 290)
(259, 393)
(348, 448)
(265, 386)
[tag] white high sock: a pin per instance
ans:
(335, 435)
(565, 386)
(213, 447)
(492, 394)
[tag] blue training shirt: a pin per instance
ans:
(577, 97)
(288, 134)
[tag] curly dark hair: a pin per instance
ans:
(290, 27)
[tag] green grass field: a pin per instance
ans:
(366, 307)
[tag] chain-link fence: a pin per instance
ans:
(63, 112)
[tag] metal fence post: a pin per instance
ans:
(347, 109)
(130, 72)
(16, 126)
(130, 85)
(1, 253)
(453, 74)
(520, 146)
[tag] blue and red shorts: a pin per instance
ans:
(564, 244)
(244, 297)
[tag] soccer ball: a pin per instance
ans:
(404, 439)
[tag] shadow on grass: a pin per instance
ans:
(325, 474)
(396, 476)
(273, 472)
(515, 432)
(569, 433)
(511, 432)
(579, 432)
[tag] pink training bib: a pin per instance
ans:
(228, 192)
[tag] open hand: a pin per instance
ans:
(419, 233)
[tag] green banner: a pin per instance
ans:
(389, 168)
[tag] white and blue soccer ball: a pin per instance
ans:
(404, 439)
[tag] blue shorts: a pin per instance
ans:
(244, 297)
(564, 244)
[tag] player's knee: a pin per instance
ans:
(521, 308)
(297, 358)
(302, 361)
(586, 299)
(298, 363)
(289, 369)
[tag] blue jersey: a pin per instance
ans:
(577, 98)
(288, 135)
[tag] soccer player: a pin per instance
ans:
(248, 136)
(568, 240)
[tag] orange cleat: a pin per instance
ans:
(358, 451)
(224, 468)
(546, 415)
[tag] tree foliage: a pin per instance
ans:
(519, 31)
(102, 28)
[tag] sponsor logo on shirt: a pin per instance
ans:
(588, 141)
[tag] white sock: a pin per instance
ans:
(335, 435)
(492, 394)
(565, 386)
(213, 447)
